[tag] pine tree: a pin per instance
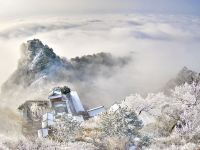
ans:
(122, 122)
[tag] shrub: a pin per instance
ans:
(65, 129)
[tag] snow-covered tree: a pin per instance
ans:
(38, 111)
(45, 144)
(188, 96)
(121, 122)
(65, 129)
(147, 108)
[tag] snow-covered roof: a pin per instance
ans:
(96, 111)
(76, 102)
(95, 108)
(55, 96)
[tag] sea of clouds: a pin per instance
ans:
(159, 44)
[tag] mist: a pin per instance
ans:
(160, 45)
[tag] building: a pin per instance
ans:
(32, 112)
(95, 111)
(69, 102)
(63, 101)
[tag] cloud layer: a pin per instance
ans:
(161, 46)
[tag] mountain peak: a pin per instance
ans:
(185, 75)
(35, 42)
(36, 56)
(35, 46)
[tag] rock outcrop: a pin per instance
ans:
(184, 76)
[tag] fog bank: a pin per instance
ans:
(160, 44)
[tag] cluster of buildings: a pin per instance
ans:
(62, 101)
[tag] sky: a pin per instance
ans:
(10, 9)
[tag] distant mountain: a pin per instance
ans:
(184, 76)
(39, 66)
